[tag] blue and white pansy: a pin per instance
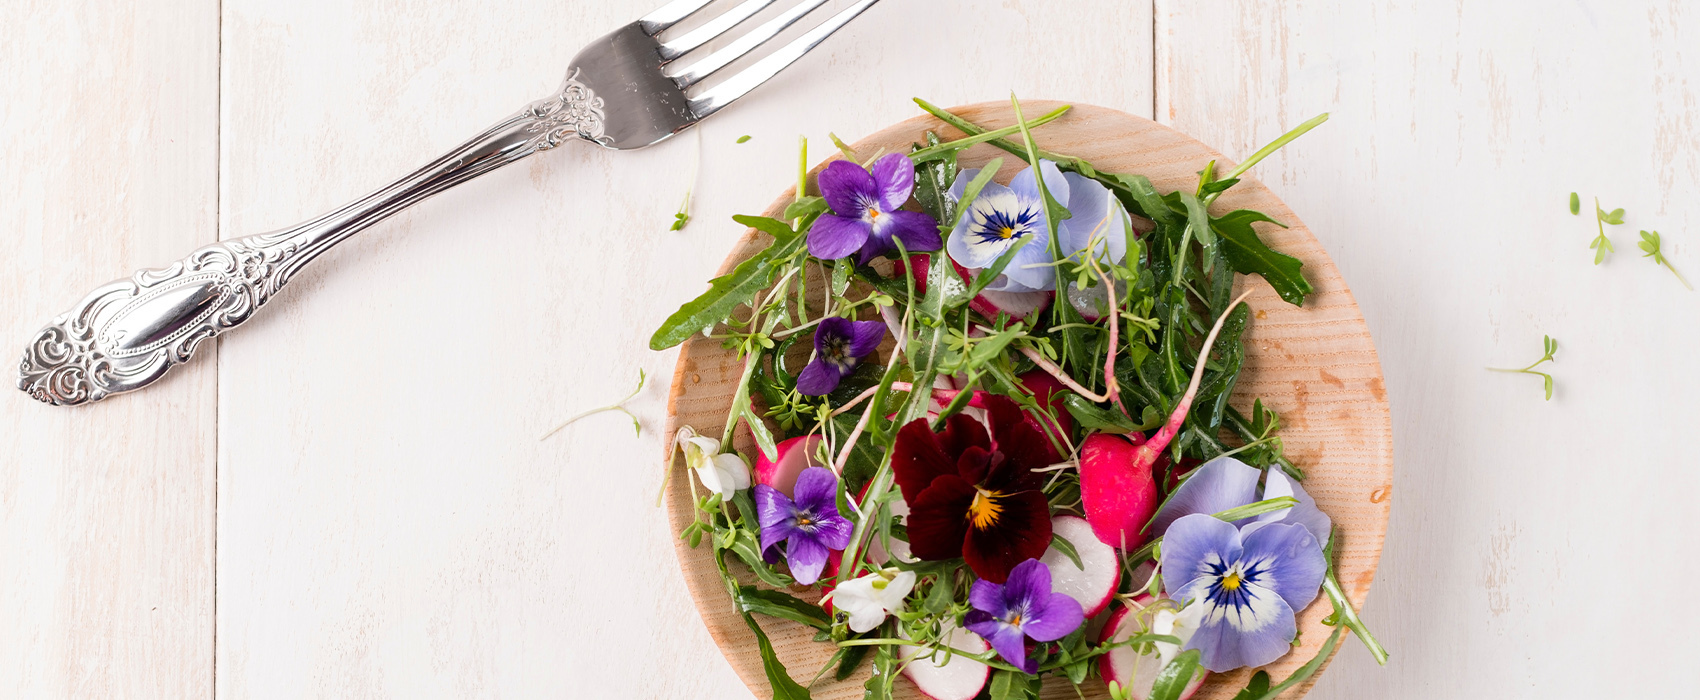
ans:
(1001, 218)
(1250, 576)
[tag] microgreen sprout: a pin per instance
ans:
(1650, 243)
(1575, 205)
(1602, 244)
(744, 139)
(683, 216)
(616, 406)
(1551, 347)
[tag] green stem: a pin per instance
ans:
(931, 152)
(1270, 149)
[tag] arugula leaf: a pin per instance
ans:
(880, 683)
(1093, 418)
(1306, 671)
(726, 292)
(775, 604)
(1258, 685)
(783, 687)
(1174, 678)
(1198, 224)
(1067, 548)
(748, 548)
(852, 658)
(1249, 255)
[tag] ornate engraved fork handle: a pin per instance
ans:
(130, 332)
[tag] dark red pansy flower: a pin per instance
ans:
(973, 494)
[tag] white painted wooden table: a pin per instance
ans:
(346, 501)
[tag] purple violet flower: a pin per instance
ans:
(1250, 583)
(840, 345)
(1024, 606)
(810, 526)
(866, 211)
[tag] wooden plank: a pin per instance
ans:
(108, 163)
(389, 524)
(1439, 187)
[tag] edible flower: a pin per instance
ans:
(866, 211)
(840, 345)
(725, 473)
(1008, 615)
(1226, 483)
(1001, 218)
(867, 600)
(975, 495)
(1249, 583)
(810, 525)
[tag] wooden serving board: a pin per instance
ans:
(1316, 366)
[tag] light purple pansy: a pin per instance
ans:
(809, 525)
(1224, 483)
(840, 345)
(1001, 218)
(1250, 583)
(1022, 607)
(867, 211)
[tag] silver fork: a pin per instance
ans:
(627, 90)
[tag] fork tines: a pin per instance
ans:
(713, 99)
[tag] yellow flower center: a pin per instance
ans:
(1232, 581)
(983, 512)
(1006, 232)
(873, 214)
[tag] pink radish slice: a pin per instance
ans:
(1092, 586)
(1137, 672)
(958, 678)
(795, 455)
(1117, 489)
(1121, 486)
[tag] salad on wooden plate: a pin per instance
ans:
(997, 418)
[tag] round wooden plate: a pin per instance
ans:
(1314, 365)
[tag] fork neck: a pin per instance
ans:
(571, 113)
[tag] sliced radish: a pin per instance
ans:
(956, 679)
(795, 455)
(1137, 672)
(1092, 586)
(1117, 489)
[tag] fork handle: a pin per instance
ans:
(128, 333)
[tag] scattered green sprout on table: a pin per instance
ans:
(1551, 347)
(616, 406)
(744, 139)
(683, 217)
(1602, 244)
(1650, 243)
(1575, 205)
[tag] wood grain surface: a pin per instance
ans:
(108, 163)
(1315, 365)
(364, 457)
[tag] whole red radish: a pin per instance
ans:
(1117, 490)
(1116, 483)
